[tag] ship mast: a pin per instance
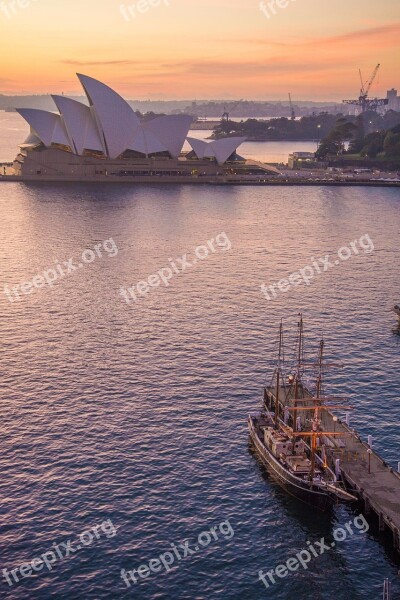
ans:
(278, 374)
(320, 365)
(297, 376)
(316, 420)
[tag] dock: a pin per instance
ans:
(230, 180)
(375, 482)
(367, 475)
(275, 177)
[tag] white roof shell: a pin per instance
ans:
(219, 149)
(108, 124)
(199, 146)
(115, 117)
(146, 142)
(170, 130)
(162, 134)
(80, 124)
(47, 125)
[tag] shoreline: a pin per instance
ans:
(206, 181)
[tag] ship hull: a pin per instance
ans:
(293, 485)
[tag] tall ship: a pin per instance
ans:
(288, 432)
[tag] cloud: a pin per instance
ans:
(385, 34)
(276, 65)
(382, 33)
(298, 56)
(97, 63)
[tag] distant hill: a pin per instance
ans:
(317, 127)
(203, 108)
(44, 102)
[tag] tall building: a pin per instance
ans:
(394, 100)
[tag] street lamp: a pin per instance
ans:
(369, 459)
(334, 424)
(319, 135)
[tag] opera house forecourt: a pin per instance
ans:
(106, 141)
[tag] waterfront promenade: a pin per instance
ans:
(286, 177)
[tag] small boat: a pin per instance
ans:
(289, 439)
(396, 310)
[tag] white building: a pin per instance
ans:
(393, 100)
(106, 140)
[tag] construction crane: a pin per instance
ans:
(363, 101)
(227, 111)
(292, 113)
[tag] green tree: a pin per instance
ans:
(373, 144)
(392, 144)
(334, 143)
(328, 147)
(357, 142)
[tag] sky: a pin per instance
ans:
(201, 49)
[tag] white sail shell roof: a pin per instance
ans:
(225, 147)
(219, 149)
(171, 131)
(116, 118)
(60, 135)
(146, 142)
(47, 125)
(162, 134)
(199, 146)
(80, 124)
(108, 125)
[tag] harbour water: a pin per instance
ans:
(137, 412)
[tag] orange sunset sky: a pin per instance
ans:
(200, 49)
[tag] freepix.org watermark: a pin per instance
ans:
(10, 8)
(313, 550)
(318, 266)
(59, 552)
(140, 8)
(179, 552)
(175, 267)
(268, 7)
(50, 276)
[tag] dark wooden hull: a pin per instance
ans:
(293, 485)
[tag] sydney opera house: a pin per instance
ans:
(104, 140)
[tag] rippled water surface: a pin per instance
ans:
(137, 413)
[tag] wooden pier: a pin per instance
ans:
(374, 482)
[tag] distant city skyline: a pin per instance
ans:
(220, 49)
